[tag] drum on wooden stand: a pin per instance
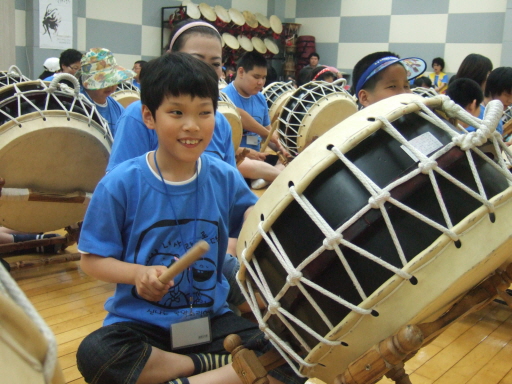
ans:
(228, 109)
(312, 110)
(12, 76)
(385, 220)
(126, 93)
(55, 143)
(277, 94)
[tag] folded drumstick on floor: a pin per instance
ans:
(191, 256)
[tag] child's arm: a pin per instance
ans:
(145, 278)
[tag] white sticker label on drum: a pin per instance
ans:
(426, 143)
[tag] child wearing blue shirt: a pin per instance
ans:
(144, 215)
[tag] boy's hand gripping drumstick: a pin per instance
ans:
(192, 255)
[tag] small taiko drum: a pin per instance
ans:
(228, 109)
(207, 12)
(53, 142)
(384, 221)
(223, 18)
(312, 110)
(192, 9)
(245, 43)
(263, 25)
(237, 20)
(277, 94)
(126, 93)
(251, 23)
(272, 48)
(259, 45)
(276, 26)
(12, 76)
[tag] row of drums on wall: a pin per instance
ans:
(241, 31)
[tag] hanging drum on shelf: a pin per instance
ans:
(312, 110)
(223, 19)
(251, 24)
(53, 142)
(371, 229)
(192, 9)
(126, 93)
(277, 94)
(263, 25)
(237, 21)
(245, 43)
(259, 45)
(272, 48)
(207, 12)
(276, 26)
(228, 109)
(231, 49)
(12, 76)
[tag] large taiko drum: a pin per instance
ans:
(312, 110)
(276, 95)
(380, 223)
(12, 76)
(425, 92)
(54, 142)
(126, 93)
(228, 109)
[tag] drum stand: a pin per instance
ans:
(71, 237)
(387, 357)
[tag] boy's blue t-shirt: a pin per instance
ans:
(499, 127)
(255, 105)
(111, 112)
(132, 217)
(134, 139)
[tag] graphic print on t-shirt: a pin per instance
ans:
(200, 279)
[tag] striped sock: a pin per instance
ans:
(204, 362)
(181, 380)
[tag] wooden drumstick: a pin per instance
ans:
(191, 256)
(273, 128)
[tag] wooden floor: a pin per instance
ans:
(477, 350)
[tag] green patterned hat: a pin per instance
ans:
(100, 70)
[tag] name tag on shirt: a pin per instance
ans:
(190, 333)
(252, 140)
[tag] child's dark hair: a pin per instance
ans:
(183, 37)
(363, 64)
(175, 74)
(499, 81)
(438, 60)
(68, 57)
(323, 76)
(464, 91)
(142, 63)
(252, 59)
(314, 54)
(475, 67)
(423, 81)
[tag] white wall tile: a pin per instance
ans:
(477, 6)
(290, 9)
(455, 53)
(81, 34)
(366, 7)
(350, 53)
(126, 61)
(325, 29)
(251, 5)
(418, 28)
(20, 29)
(122, 11)
(151, 37)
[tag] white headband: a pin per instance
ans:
(188, 26)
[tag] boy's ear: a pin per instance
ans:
(240, 71)
(147, 117)
(471, 107)
(362, 96)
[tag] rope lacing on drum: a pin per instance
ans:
(9, 287)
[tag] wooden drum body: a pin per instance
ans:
(228, 109)
(312, 110)
(53, 142)
(357, 237)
